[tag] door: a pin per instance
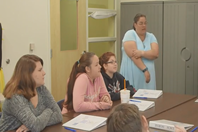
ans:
(63, 59)
(180, 47)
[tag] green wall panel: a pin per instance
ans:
(101, 47)
(68, 24)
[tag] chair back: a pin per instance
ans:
(60, 103)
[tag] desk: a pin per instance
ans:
(59, 128)
(187, 113)
(102, 113)
(164, 103)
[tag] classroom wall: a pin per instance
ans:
(25, 22)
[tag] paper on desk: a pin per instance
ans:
(196, 100)
(142, 104)
(148, 93)
(86, 122)
(168, 125)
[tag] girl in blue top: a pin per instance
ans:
(139, 50)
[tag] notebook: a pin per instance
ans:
(168, 125)
(142, 104)
(146, 93)
(86, 122)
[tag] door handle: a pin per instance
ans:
(185, 54)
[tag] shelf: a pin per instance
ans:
(101, 39)
(101, 26)
(90, 10)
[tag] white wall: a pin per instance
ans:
(25, 22)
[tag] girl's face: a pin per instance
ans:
(38, 74)
(111, 65)
(94, 69)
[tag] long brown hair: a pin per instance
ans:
(124, 118)
(104, 59)
(136, 19)
(22, 82)
(78, 67)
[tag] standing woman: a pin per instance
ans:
(86, 90)
(139, 50)
(28, 106)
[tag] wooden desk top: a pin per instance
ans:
(164, 103)
(186, 113)
(59, 128)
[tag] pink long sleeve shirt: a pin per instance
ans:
(87, 95)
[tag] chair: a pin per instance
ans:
(60, 103)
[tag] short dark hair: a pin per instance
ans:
(136, 18)
(124, 118)
(104, 59)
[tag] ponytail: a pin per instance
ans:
(70, 86)
(78, 67)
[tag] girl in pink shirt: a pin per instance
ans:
(86, 90)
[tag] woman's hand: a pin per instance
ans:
(106, 99)
(147, 76)
(22, 128)
(137, 53)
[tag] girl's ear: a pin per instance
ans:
(105, 66)
(144, 124)
(87, 69)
